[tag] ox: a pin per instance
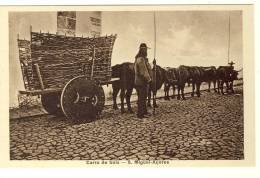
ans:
(125, 84)
(154, 87)
(171, 81)
(226, 75)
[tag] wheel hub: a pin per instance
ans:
(86, 99)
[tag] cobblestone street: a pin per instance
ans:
(205, 128)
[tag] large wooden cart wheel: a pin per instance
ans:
(51, 103)
(82, 99)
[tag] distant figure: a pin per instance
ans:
(231, 64)
(142, 78)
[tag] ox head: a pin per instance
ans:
(116, 70)
(168, 74)
(164, 75)
(234, 75)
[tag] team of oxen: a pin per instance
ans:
(174, 78)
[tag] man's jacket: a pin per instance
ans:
(142, 71)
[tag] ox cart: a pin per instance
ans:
(67, 72)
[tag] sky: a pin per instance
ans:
(182, 37)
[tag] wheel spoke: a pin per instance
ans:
(77, 99)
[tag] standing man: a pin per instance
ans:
(142, 79)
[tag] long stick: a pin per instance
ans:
(154, 23)
(154, 65)
(228, 36)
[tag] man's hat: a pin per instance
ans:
(231, 63)
(143, 45)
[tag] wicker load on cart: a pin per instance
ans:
(68, 72)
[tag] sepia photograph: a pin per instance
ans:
(134, 87)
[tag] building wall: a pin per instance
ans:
(19, 23)
(66, 23)
(87, 24)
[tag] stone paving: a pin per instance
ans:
(206, 128)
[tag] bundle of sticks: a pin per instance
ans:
(61, 58)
